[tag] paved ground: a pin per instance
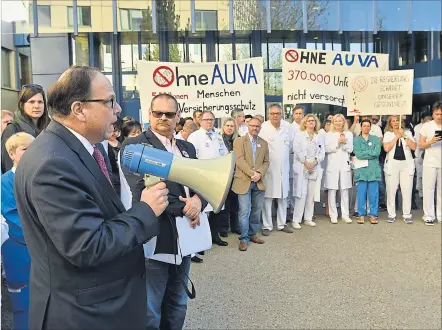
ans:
(327, 277)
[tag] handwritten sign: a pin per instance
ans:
(380, 93)
(319, 76)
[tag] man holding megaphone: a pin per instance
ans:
(167, 271)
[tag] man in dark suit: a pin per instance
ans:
(87, 262)
(167, 271)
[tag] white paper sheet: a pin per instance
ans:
(358, 163)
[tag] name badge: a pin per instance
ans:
(185, 154)
(258, 145)
(370, 144)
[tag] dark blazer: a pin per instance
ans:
(87, 261)
(165, 241)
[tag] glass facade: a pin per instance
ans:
(221, 30)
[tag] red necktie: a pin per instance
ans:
(100, 161)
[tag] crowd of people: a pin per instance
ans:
(82, 219)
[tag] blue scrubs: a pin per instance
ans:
(15, 256)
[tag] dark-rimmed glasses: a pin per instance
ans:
(111, 100)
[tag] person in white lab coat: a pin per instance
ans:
(298, 115)
(276, 181)
(239, 117)
(210, 144)
(430, 141)
(399, 167)
(338, 146)
(308, 154)
(419, 161)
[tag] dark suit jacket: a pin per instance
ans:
(87, 262)
(165, 241)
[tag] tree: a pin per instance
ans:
(167, 20)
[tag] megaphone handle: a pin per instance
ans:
(150, 180)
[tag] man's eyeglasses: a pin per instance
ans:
(159, 114)
(105, 101)
(207, 119)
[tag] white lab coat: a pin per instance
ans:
(389, 163)
(208, 148)
(301, 146)
(280, 142)
(338, 171)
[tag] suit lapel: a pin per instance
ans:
(87, 160)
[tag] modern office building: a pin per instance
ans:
(114, 34)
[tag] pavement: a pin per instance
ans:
(343, 276)
(332, 276)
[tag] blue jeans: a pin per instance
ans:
(372, 188)
(166, 297)
(250, 209)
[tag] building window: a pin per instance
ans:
(6, 68)
(83, 16)
(44, 15)
(25, 70)
(133, 19)
(420, 47)
(404, 48)
(206, 20)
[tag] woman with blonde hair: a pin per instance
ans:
(338, 147)
(399, 167)
(308, 154)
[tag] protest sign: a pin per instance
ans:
(380, 93)
(219, 87)
(320, 76)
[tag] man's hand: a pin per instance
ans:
(256, 176)
(192, 208)
(156, 198)
(195, 222)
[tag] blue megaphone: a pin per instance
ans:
(210, 178)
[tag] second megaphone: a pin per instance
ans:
(210, 178)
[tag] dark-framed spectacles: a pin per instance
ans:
(159, 114)
(105, 101)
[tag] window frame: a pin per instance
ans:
(31, 15)
(6, 55)
(129, 12)
(79, 16)
(202, 11)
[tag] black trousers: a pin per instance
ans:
(232, 207)
(218, 221)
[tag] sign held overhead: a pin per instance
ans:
(381, 93)
(311, 76)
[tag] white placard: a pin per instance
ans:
(219, 87)
(381, 93)
(320, 76)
